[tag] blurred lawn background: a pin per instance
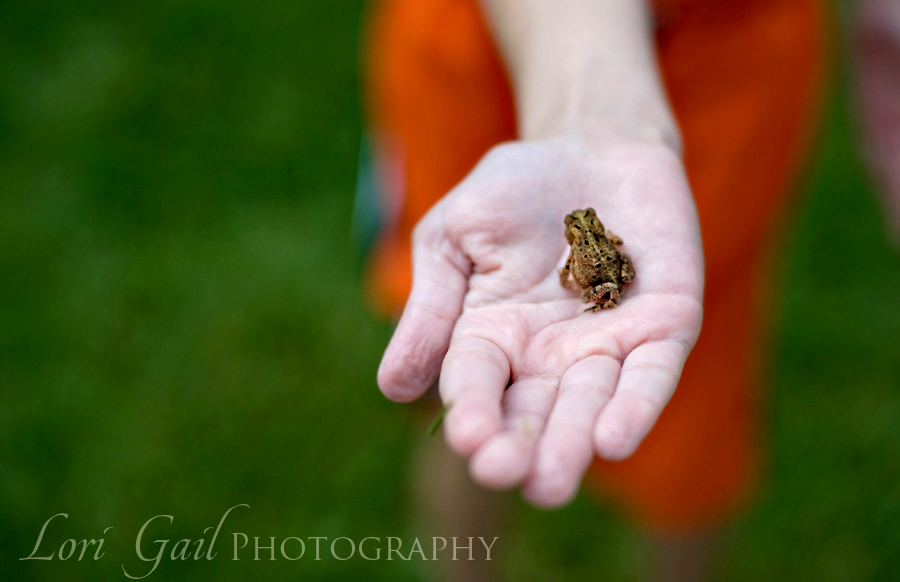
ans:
(182, 328)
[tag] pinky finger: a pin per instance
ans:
(648, 379)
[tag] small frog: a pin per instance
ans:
(595, 264)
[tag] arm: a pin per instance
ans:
(537, 386)
(877, 54)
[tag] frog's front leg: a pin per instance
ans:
(605, 296)
(627, 269)
(613, 238)
(564, 273)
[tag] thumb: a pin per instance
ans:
(412, 360)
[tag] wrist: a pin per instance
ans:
(605, 127)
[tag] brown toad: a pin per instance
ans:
(595, 264)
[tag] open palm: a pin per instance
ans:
(538, 386)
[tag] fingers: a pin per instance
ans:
(566, 449)
(474, 375)
(505, 459)
(648, 379)
(412, 360)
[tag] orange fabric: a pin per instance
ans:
(745, 79)
(438, 92)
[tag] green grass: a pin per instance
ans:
(182, 329)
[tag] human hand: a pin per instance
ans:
(487, 311)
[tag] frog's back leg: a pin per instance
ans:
(605, 296)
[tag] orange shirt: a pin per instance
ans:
(745, 79)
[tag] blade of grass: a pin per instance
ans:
(438, 420)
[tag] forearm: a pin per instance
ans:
(586, 65)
